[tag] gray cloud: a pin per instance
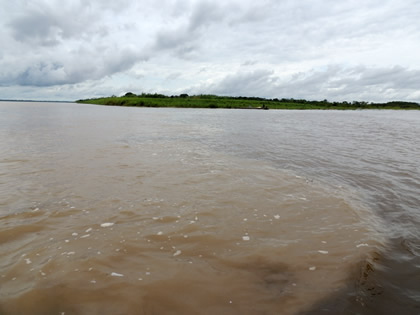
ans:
(310, 48)
(174, 76)
(37, 27)
(334, 83)
(205, 13)
(42, 74)
(244, 83)
(66, 43)
(48, 25)
(74, 71)
(184, 40)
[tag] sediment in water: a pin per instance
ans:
(186, 231)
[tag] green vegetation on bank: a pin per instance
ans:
(214, 101)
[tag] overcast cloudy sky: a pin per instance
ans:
(314, 49)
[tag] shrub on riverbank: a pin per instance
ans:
(214, 101)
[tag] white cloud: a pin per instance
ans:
(311, 48)
(334, 83)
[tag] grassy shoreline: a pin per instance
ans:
(213, 101)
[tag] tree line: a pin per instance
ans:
(325, 102)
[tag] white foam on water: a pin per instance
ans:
(362, 245)
(115, 274)
(107, 224)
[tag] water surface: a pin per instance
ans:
(113, 210)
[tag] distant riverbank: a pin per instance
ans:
(214, 101)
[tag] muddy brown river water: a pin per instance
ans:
(109, 210)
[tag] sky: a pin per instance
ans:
(339, 50)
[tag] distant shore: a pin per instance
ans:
(34, 101)
(214, 101)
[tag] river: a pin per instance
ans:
(112, 210)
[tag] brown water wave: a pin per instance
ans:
(171, 228)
